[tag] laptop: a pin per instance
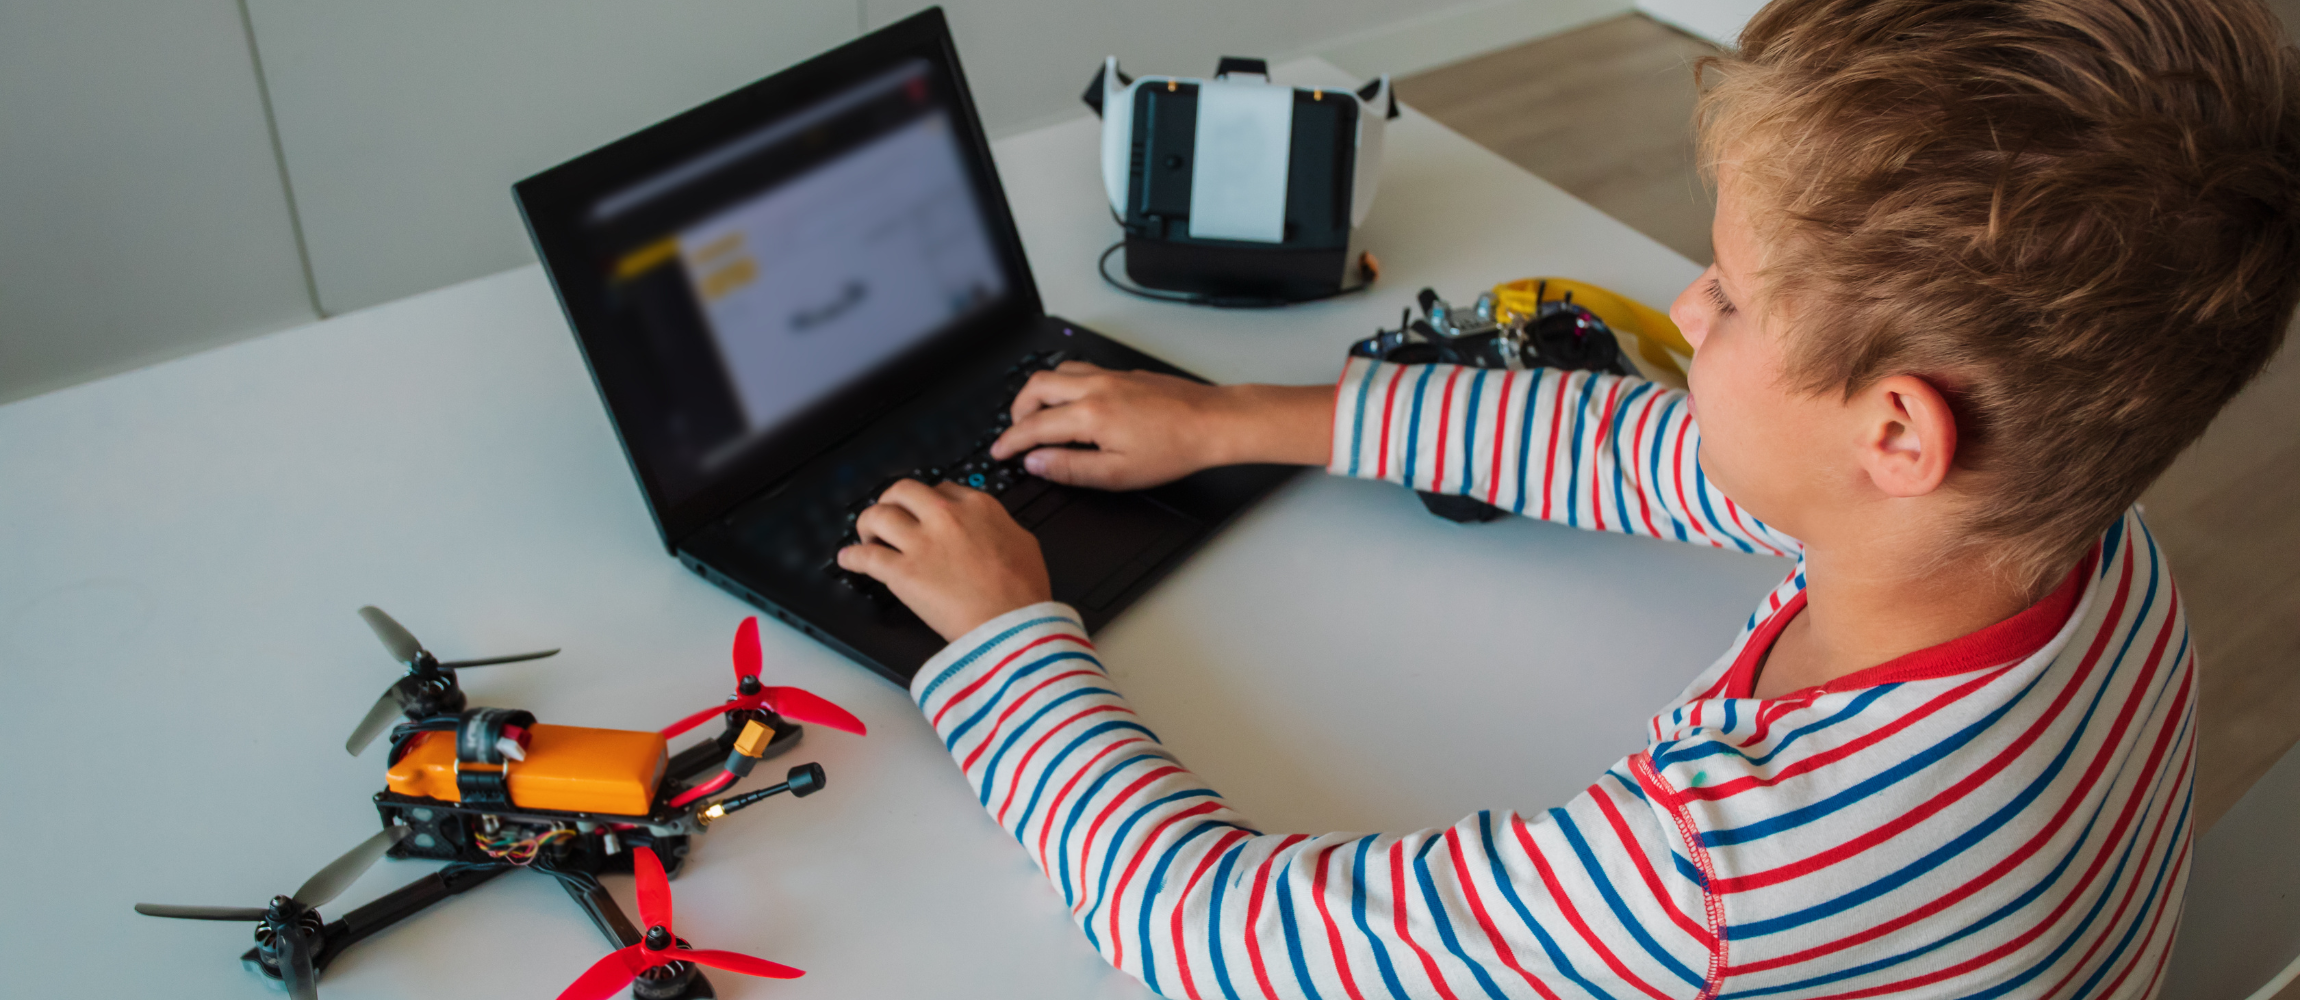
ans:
(804, 290)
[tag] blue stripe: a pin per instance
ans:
(977, 652)
(1154, 887)
(1620, 483)
(1729, 723)
(1525, 437)
(1062, 846)
(1701, 489)
(1469, 433)
(951, 741)
(2108, 546)
(1293, 931)
(1117, 840)
(1214, 924)
(1901, 770)
(1712, 748)
(1628, 921)
(1653, 469)
(1574, 449)
(1414, 425)
(1974, 835)
(990, 770)
(1358, 912)
(2115, 877)
(1437, 910)
(1054, 765)
(1358, 423)
(2148, 906)
(1501, 878)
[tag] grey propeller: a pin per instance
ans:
(429, 684)
(201, 912)
(332, 880)
(317, 891)
(399, 640)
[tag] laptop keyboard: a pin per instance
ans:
(1030, 499)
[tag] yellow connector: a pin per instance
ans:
(753, 740)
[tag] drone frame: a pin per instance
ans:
(665, 829)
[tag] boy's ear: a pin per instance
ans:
(1908, 436)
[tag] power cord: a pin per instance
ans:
(1213, 301)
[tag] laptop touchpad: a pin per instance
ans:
(1098, 544)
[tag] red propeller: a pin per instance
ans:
(658, 946)
(788, 702)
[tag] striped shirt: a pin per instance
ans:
(2005, 815)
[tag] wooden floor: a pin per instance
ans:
(1604, 113)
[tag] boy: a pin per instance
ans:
(1983, 269)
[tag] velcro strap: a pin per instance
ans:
(480, 727)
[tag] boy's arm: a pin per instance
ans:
(1596, 451)
(1178, 889)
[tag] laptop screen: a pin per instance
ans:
(748, 278)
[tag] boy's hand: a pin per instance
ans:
(953, 555)
(1146, 428)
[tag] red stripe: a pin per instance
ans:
(1644, 512)
(2165, 958)
(1086, 847)
(1652, 879)
(1389, 405)
(1398, 918)
(2132, 885)
(1485, 920)
(1254, 913)
(1181, 940)
(1677, 478)
(1735, 513)
(2011, 861)
(1728, 789)
(1971, 780)
(1012, 706)
(2154, 921)
(1556, 420)
(1501, 428)
(953, 700)
(1118, 896)
(1055, 808)
(1445, 417)
(1712, 904)
(2079, 890)
(1596, 449)
(1024, 767)
(1572, 915)
(1333, 932)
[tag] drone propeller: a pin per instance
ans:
(789, 702)
(290, 929)
(428, 685)
(659, 947)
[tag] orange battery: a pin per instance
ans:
(568, 768)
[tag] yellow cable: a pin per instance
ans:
(1656, 335)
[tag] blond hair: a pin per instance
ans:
(2080, 219)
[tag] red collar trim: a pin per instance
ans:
(2008, 641)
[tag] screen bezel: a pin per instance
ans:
(554, 204)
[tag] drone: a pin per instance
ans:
(1557, 333)
(490, 790)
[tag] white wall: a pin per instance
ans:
(405, 122)
(1719, 21)
(145, 212)
(141, 212)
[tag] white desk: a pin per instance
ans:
(182, 549)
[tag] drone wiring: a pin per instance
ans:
(521, 852)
